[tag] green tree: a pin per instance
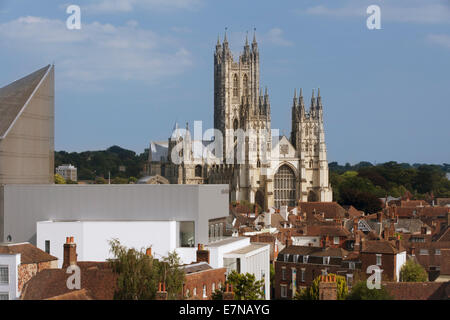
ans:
(172, 275)
(100, 180)
(245, 286)
(59, 179)
(360, 291)
(312, 292)
(68, 181)
(411, 271)
(132, 180)
(119, 180)
(138, 273)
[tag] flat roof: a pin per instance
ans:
(250, 248)
(225, 241)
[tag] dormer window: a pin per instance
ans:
(305, 259)
(286, 257)
(351, 265)
(326, 260)
(295, 258)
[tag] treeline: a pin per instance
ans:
(362, 185)
(119, 162)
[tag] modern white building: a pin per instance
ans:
(67, 171)
(9, 279)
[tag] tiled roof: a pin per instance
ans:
(314, 251)
(14, 96)
(28, 252)
(435, 211)
(331, 210)
(413, 203)
(379, 246)
(419, 290)
(445, 235)
(97, 278)
(335, 231)
(196, 267)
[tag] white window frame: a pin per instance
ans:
(334, 240)
(283, 290)
(302, 275)
(423, 252)
(283, 273)
(7, 275)
(351, 265)
(379, 260)
(326, 260)
(305, 259)
(437, 252)
(286, 257)
(349, 276)
(204, 291)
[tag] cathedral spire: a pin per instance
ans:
(254, 43)
(301, 103)
(319, 99)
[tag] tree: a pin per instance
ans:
(245, 286)
(100, 180)
(360, 291)
(312, 292)
(411, 271)
(119, 180)
(59, 179)
(68, 181)
(172, 275)
(138, 273)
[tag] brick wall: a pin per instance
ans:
(199, 279)
(27, 271)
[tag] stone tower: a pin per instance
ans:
(240, 105)
(308, 138)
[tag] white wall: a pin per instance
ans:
(92, 237)
(400, 261)
(218, 249)
(306, 241)
(13, 262)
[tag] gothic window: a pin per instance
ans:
(198, 171)
(284, 187)
(311, 164)
(236, 85)
(245, 84)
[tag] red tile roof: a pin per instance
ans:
(28, 252)
(419, 290)
(331, 210)
(97, 278)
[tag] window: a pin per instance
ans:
(285, 187)
(351, 265)
(235, 85)
(4, 275)
(213, 287)
(326, 260)
(336, 240)
(187, 234)
(245, 85)
(286, 257)
(4, 296)
(349, 279)
(302, 275)
(437, 252)
(195, 292)
(187, 293)
(423, 252)
(47, 246)
(198, 171)
(283, 273)
(305, 259)
(204, 291)
(378, 259)
(283, 288)
(295, 258)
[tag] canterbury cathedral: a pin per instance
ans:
(260, 167)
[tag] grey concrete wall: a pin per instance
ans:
(24, 205)
(27, 152)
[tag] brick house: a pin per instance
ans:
(201, 279)
(389, 257)
(297, 266)
(19, 262)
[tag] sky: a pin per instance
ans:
(138, 66)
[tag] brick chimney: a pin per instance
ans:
(202, 254)
(148, 252)
(397, 242)
(228, 294)
(161, 294)
(70, 253)
(328, 288)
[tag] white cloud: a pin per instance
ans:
(97, 52)
(122, 6)
(275, 36)
(411, 11)
(440, 39)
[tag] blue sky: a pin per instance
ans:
(137, 66)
